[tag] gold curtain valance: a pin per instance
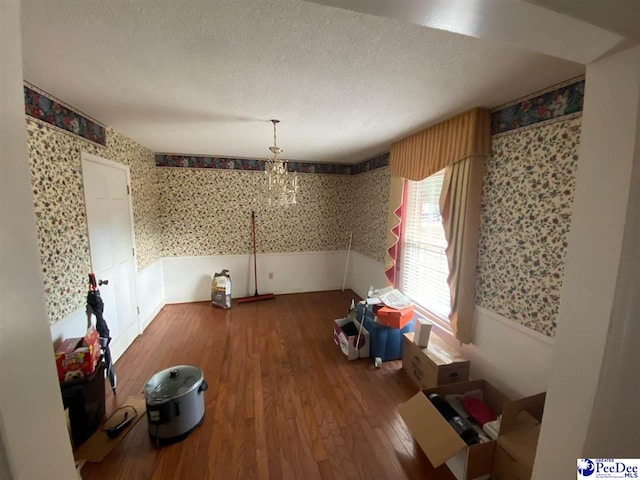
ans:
(429, 151)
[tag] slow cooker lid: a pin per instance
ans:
(173, 382)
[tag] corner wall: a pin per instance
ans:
(32, 422)
(593, 295)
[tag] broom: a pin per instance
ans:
(255, 297)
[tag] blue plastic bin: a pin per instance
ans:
(385, 342)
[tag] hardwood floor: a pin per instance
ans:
(282, 400)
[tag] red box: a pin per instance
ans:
(76, 358)
(390, 317)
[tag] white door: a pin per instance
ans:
(106, 191)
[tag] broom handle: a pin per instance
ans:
(255, 265)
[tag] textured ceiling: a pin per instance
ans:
(205, 77)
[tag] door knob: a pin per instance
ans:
(103, 282)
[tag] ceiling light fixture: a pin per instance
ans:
(281, 185)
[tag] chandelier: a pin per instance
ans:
(281, 185)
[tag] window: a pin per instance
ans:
(423, 266)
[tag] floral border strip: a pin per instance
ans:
(551, 105)
(41, 107)
(252, 164)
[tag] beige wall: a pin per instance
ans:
(32, 422)
(593, 299)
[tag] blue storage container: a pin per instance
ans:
(385, 342)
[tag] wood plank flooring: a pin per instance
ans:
(282, 403)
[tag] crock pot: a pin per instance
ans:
(175, 402)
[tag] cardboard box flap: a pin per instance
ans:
(521, 441)
(533, 404)
(441, 353)
(436, 438)
(438, 351)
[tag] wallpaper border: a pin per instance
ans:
(562, 101)
(46, 108)
(253, 164)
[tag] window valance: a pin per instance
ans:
(429, 151)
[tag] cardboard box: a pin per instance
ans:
(438, 364)
(518, 440)
(440, 442)
(76, 358)
(390, 317)
(422, 332)
(350, 345)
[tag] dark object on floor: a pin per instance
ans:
(175, 403)
(350, 329)
(130, 415)
(85, 401)
(95, 306)
(98, 446)
(255, 297)
(459, 424)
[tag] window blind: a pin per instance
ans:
(424, 268)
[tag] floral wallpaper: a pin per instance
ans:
(370, 200)
(58, 195)
(526, 214)
(208, 212)
(550, 104)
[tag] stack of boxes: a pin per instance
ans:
(386, 327)
(438, 368)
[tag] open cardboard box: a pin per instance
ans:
(439, 441)
(352, 346)
(518, 440)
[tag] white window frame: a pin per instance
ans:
(439, 320)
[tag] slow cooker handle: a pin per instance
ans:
(203, 386)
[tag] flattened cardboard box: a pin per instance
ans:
(439, 441)
(437, 364)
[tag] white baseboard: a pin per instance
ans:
(144, 323)
(150, 293)
(188, 279)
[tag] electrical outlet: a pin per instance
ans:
(270, 275)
